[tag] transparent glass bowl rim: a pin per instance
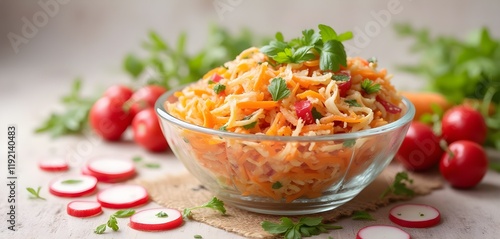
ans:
(160, 109)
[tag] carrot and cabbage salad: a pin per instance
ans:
(262, 93)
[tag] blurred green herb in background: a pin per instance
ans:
(460, 69)
(165, 64)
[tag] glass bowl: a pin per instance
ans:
(303, 175)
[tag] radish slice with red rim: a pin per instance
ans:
(53, 164)
(111, 168)
(415, 215)
(123, 196)
(83, 208)
(156, 219)
(85, 171)
(73, 186)
(382, 232)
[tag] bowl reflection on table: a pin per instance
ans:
(301, 175)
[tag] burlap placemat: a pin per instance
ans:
(183, 191)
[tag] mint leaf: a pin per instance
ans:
(332, 56)
(278, 89)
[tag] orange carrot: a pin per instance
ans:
(257, 104)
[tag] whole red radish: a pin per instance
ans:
(464, 164)
(145, 98)
(109, 119)
(147, 131)
(420, 148)
(463, 123)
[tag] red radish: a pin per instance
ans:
(111, 169)
(123, 196)
(381, 232)
(144, 98)
(388, 106)
(345, 82)
(85, 171)
(156, 219)
(83, 208)
(415, 215)
(54, 164)
(120, 92)
(303, 109)
(73, 186)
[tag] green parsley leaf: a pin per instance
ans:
(124, 213)
(223, 128)
(341, 77)
(327, 33)
(305, 227)
(349, 143)
(302, 54)
(310, 38)
(369, 86)
(399, 186)
(218, 88)
(133, 65)
(35, 193)
(71, 181)
(214, 203)
(345, 36)
(274, 48)
(332, 56)
(198, 237)
(352, 102)
(316, 115)
(137, 159)
(152, 165)
(277, 185)
(100, 229)
(279, 37)
(362, 215)
(278, 89)
(112, 223)
(162, 214)
(250, 126)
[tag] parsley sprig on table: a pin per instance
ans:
(112, 222)
(399, 186)
(214, 203)
(35, 193)
(325, 45)
(305, 227)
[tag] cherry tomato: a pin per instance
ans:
(109, 119)
(145, 98)
(119, 91)
(463, 123)
(147, 131)
(344, 86)
(466, 167)
(420, 149)
(303, 109)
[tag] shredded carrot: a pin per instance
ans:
(257, 104)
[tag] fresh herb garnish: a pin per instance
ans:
(372, 60)
(349, 143)
(250, 126)
(352, 102)
(214, 203)
(315, 114)
(112, 222)
(340, 77)
(35, 193)
(162, 214)
(278, 89)
(277, 185)
(223, 128)
(198, 237)
(399, 186)
(362, 215)
(305, 227)
(71, 181)
(218, 88)
(137, 159)
(369, 86)
(326, 44)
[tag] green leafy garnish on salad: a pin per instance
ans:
(278, 89)
(369, 86)
(325, 45)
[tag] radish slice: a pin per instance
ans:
(110, 169)
(381, 232)
(123, 196)
(54, 164)
(415, 215)
(150, 219)
(83, 208)
(85, 171)
(73, 186)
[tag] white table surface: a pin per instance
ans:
(465, 213)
